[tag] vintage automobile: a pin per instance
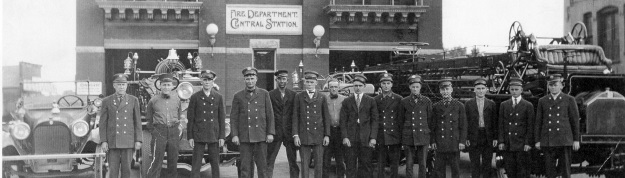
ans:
(346, 81)
(52, 123)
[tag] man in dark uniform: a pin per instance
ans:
(335, 147)
(557, 127)
(359, 129)
(416, 114)
(450, 130)
(163, 114)
(252, 124)
(120, 125)
(311, 124)
(207, 124)
(516, 125)
(282, 102)
(481, 115)
(389, 132)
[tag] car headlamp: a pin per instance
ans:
(80, 128)
(20, 130)
(97, 102)
(185, 90)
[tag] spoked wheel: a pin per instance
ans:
(515, 36)
(579, 33)
(69, 101)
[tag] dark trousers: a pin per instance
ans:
(359, 160)
(421, 152)
(119, 159)
(481, 155)
(272, 150)
(515, 164)
(391, 152)
(561, 154)
(253, 152)
(164, 139)
(305, 152)
(198, 155)
(334, 149)
(443, 159)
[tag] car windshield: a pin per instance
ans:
(65, 94)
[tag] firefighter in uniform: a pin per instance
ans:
(416, 114)
(282, 102)
(516, 125)
(557, 127)
(335, 147)
(389, 132)
(359, 129)
(120, 127)
(163, 116)
(311, 124)
(252, 122)
(207, 124)
(450, 130)
(481, 115)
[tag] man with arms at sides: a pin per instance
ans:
(120, 125)
(207, 124)
(482, 128)
(516, 124)
(557, 127)
(311, 124)
(389, 132)
(252, 124)
(416, 114)
(282, 102)
(359, 129)
(335, 148)
(450, 130)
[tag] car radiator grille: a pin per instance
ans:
(54, 139)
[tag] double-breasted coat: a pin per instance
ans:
(450, 127)
(490, 120)
(120, 121)
(417, 123)
(251, 116)
(389, 122)
(311, 118)
(516, 124)
(283, 113)
(207, 117)
(359, 124)
(557, 121)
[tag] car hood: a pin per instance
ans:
(34, 117)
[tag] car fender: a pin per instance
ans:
(95, 135)
(7, 141)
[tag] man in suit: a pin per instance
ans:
(311, 124)
(450, 130)
(335, 148)
(557, 127)
(252, 122)
(516, 124)
(416, 114)
(282, 102)
(120, 127)
(481, 115)
(359, 129)
(207, 124)
(389, 132)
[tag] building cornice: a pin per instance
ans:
(375, 13)
(151, 7)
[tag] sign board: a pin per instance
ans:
(93, 88)
(263, 19)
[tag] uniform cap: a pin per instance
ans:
(445, 82)
(311, 75)
(414, 79)
(281, 73)
(479, 81)
(166, 78)
(361, 78)
(120, 78)
(516, 81)
(555, 78)
(249, 71)
(208, 74)
(386, 77)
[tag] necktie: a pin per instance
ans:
(119, 98)
(514, 102)
(358, 101)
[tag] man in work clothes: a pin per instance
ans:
(516, 125)
(557, 127)
(207, 124)
(163, 114)
(120, 127)
(335, 148)
(282, 102)
(252, 124)
(311, 124)
(389, 132)
(482, 125)
(359, 129)
(416, 115)
(450, 130)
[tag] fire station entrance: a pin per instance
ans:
(341, 60)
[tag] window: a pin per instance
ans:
(608, 32)
(264, 61)
(588, 22)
